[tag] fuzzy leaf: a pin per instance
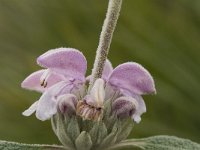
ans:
(53, 124)
(127, 126)
(87, 125)
(112, 137)
(157, 143)
(98, 133)
(83, 142)
(110, 123)
(61, 133)
(107, 108)
(102, 133)
(73, 129)
(94, 132)
(4, 145)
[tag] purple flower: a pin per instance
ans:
(63, 87)
(127, 82)
(64, 74)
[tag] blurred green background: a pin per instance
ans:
(162, 35)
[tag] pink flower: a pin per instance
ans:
(63, 87)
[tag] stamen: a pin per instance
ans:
(44, 78)
(88, 112)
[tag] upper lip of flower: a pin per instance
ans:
(69, 65)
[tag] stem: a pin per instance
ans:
(105, 39)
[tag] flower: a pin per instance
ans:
(124, 86)
(64, 75)
(63, 87)
(128, 82)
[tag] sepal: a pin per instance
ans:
(98, 133)
(126, 128)
(83, 142)
(59, 127)
(73, 129)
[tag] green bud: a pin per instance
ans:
(83, 142)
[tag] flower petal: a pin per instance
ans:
(141, 105)
(67, 61)
(97, 93)
(31, 109)
(67, 104)
(132, 77)
(47, 105)
(124, 106)
(107, 70)
(111, 93)
(141, 108)
(33, 82)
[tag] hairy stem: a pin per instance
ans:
(105, 39)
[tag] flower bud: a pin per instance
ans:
(124, 107)
(67, 104)
(91, 107)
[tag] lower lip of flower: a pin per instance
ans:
(88, 112)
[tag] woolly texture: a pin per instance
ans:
(108, 28)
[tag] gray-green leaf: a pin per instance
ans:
(157, 143)
(83, 142)
(73, 129)
(127, 126)
(61, 133)
(98, 133)
(4, 145)
(112, 137)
